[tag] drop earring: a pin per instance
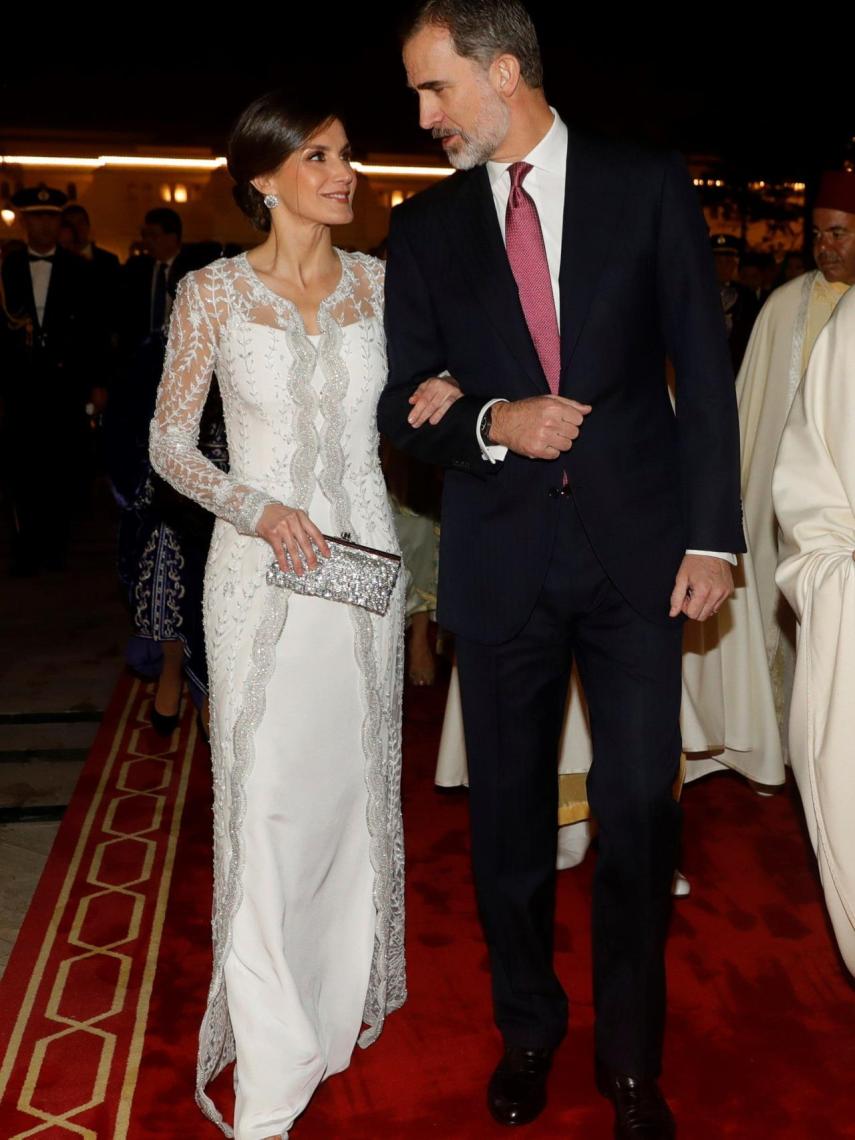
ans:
(271, 201)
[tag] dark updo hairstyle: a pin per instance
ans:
(269, 131)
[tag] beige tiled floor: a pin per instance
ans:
(24, 848)
(38, 783)
(61, 649)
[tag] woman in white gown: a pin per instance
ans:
(305, 692)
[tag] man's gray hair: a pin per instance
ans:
(484, 29)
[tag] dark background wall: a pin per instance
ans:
(773, 97)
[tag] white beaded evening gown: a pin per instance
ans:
(305, 693)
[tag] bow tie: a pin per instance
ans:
(40, 257)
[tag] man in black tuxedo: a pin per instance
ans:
(581, 517)
(56, 350)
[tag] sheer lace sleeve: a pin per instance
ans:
(191, 350)
(372, 272)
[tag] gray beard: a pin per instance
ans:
(479, 147)
(472, 153)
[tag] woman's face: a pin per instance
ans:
(316, 183)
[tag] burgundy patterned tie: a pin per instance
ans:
(527, 255)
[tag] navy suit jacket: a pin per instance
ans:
(637, 285)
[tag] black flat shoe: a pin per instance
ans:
(163, 725)
(516, 1093)
(641, 1111)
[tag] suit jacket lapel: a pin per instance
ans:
(485, 263)
(55, 287)
(594, 195)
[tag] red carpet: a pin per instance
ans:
(761, 1038)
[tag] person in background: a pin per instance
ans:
(794, 265)
(414, 496)
(163, 538)
(738, 303)
(105, 275)
(65, 238)
(775, 362)
(813, 488)
(50, 382)
(77, 217)
(105, 265)
(757, 272)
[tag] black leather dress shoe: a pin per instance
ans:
(641, 1111)
(516, 1093)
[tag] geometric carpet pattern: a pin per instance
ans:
(103, 996)
(89, 949)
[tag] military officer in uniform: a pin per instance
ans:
(53, 358)
(738, 303)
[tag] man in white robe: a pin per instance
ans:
(775, 362)
(814, 494)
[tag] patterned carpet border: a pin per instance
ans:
(77, 988)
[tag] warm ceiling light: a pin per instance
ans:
(166, 192)
(404, 171)
(161, 163)
(48, 160)
(8, 216)
(397, 197)
(140, 162)
(179, 194)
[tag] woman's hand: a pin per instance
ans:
(288, 529)
(432, 399)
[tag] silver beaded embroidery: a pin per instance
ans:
(212, 308)
(799, 330)
(355, 577)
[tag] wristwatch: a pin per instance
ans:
(486, 426)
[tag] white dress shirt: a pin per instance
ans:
(40, 272)
(545, 184)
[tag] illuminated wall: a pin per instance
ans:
(118, 191)
(118, 196)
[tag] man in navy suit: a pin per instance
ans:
(582, 517)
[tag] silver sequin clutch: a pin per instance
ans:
(354, 574)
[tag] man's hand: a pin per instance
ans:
(703, 583)
(540, 427)
(432, 399)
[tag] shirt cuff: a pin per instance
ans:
(731, 558)
(496, 452)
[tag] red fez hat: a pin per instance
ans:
(836, 191)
